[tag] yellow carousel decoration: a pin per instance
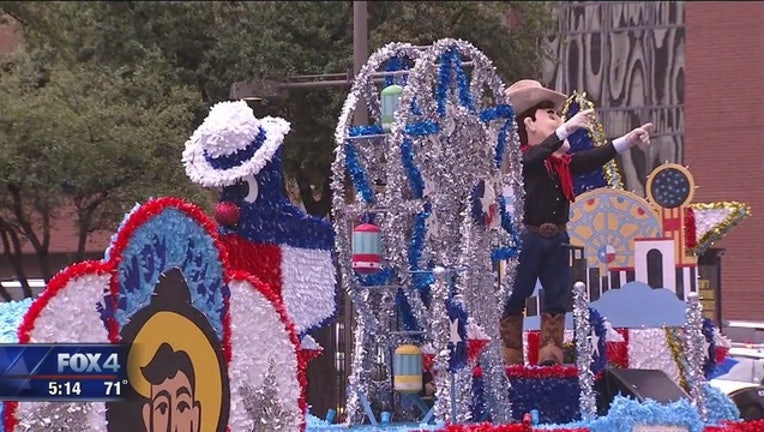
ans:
(657, 240)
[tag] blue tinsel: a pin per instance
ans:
(462, 82)
(393, 65)
(719, 406)
(555, 398)
(507, 252)
(477, 401)
(501, 111)
(358, 174)
(353, 164)
(412, 172)
(598, 325)
(456, 311)
(422, 128)
(381, 277)
(579, 141)
(624, 413)
(420, 280)
(155, 247)
(451, 62)
(444, 82)
(709, 366)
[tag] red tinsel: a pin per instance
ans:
(618, 352)
(309, 355)
(428, 361)
(475, 348)
(533, 340)
(511, 427)
(690, 229)
(751, 426)
(721, 354)
(477, 372)
(302, 364)
(258, 259)
(541, 372)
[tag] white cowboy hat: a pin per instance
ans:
(526, 93)
(231, 144)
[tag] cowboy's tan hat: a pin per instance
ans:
(526, 93)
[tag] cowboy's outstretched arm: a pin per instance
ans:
(589, 160)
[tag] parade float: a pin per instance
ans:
(426, 209)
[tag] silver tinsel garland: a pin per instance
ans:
(61, 417)
(694, 343)
(451, 161)
(584, 351)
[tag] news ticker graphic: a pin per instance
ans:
(63, 372)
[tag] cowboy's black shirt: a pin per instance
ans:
(544, 199)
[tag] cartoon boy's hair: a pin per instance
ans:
(166, 364)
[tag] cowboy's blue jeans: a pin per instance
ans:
(546, 260)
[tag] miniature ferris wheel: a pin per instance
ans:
(443, 145)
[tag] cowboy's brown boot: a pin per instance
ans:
(552, 333)
(511, 331)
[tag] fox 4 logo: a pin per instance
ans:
(87, 363)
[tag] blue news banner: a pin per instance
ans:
(63, 372)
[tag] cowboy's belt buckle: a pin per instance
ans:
(548, 230)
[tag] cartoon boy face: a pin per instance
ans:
(172, 407)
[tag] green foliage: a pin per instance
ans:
(99, 104)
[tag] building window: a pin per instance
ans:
(655, 268)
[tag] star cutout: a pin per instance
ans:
(454, 327)
(595, 341)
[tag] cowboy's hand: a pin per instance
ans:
(641, 135)
(582, 120)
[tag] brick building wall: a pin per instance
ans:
(724, 142)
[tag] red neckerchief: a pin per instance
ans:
(561, 166)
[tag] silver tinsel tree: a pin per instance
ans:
(263, 407)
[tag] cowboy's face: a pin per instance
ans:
(546, 122)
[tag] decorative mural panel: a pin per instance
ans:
(629, 59)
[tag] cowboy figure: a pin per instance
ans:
(548, 180)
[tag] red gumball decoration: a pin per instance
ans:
(367, 256)
(227, 214)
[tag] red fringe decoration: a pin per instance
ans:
(721, 354)
(511, 427)
(302, 364)
(618, 352)
(751, 426)
(259, 260)
(541, 372)
(534, 338)
(690, 229)
(474, 348)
